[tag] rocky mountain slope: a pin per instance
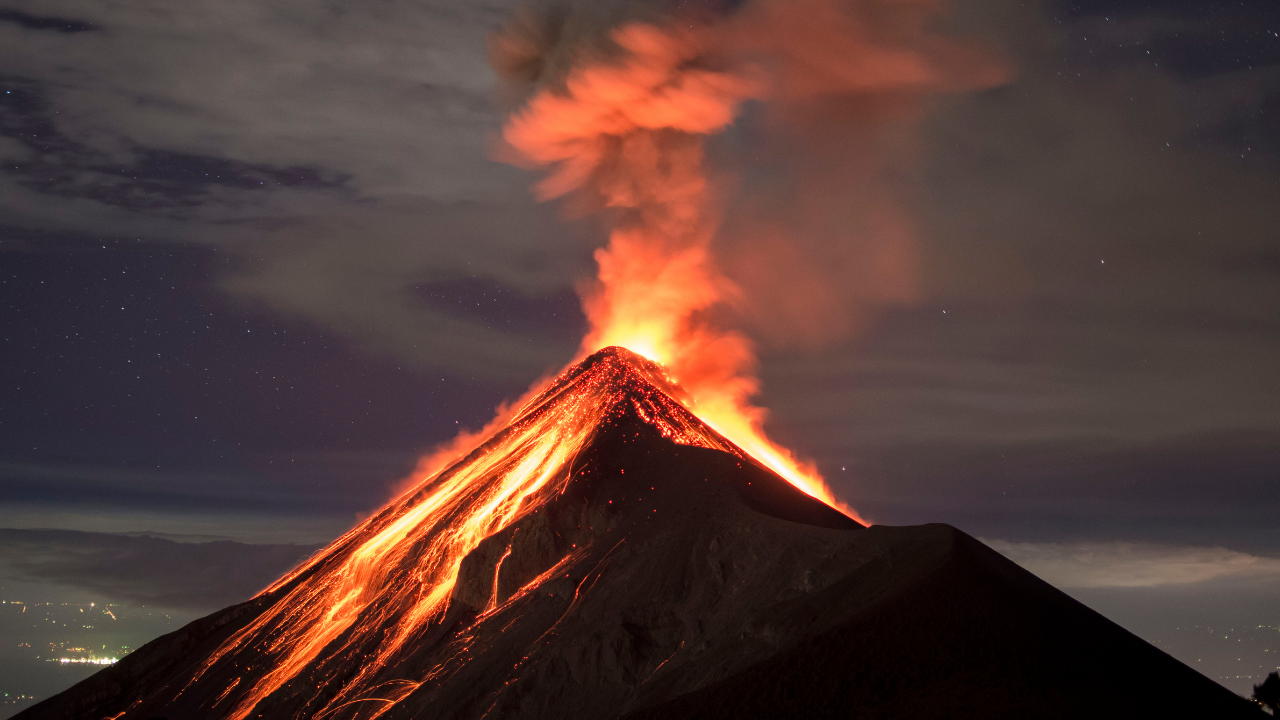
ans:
(657, 573)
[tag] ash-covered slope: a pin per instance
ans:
(647, 569)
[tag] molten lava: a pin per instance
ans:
(398, 569)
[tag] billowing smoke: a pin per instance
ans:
(619, 105)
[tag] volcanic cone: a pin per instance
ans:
(608, 555)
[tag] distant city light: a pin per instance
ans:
(86, 660)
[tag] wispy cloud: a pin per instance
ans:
(341, 152)
(1121, 564)
(145, 569)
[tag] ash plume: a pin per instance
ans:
(619, 107)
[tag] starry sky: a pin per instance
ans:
(256, 258)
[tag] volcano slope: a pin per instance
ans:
(648, 569)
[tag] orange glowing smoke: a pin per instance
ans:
(627, 129)
(632, 130)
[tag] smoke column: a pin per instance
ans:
(619, 118)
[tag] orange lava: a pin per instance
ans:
(398, 569)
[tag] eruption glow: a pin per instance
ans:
(632, 130)
(627, 129)
(398, 569)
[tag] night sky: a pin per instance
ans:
(256, 258)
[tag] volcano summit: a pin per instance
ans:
(608, 555)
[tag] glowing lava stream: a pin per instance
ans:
(398, 569)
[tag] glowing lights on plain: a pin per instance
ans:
(84, 660)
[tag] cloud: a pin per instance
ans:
(243, 526)
(368, 272)
(146, 570)
(1096, 275)
(339, 155)
(395, 95)
(287, 485)
(1119, 564)
(52, 24)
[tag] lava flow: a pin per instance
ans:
(398, 569)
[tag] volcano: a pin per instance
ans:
(608, 555)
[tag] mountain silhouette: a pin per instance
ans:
(608, 555)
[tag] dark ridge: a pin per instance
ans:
(766, 492)
(976, 638)
(759, 488)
